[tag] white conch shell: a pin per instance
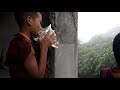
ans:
(44, 31)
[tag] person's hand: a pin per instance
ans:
(47, 40)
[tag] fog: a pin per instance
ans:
(93, 23)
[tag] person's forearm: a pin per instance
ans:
(43, 61)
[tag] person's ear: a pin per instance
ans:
(29, 20)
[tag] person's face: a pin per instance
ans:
(36, 24)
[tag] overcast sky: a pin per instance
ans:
(92, 23)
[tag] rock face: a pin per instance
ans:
(65, 63)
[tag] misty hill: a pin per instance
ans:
(108, 35)
(113, 32)
(96, 54)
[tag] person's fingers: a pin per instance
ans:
(48, 33)
(52, 34)
(53, 41)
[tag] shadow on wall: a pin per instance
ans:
(51, 52)
(3, 70)
(1, 58)
(8, 28)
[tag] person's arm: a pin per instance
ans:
(38, 69)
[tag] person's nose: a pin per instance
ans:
(40, 27)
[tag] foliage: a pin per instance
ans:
(95, 55)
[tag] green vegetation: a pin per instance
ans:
(95, 55)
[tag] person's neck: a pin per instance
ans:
(25, 31)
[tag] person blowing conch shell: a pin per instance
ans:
(44, 31)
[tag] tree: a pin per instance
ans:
(95, 55)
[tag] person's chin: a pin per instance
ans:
(35, 35)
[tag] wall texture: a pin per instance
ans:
(65, 24)
(8, 28)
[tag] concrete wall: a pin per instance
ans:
(65, 24)
(8, 28)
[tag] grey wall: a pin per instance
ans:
(8, 28)
(65, 24)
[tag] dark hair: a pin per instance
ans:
(21, 16)
(116, 48)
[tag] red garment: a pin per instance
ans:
(110, 72)
(17, 53)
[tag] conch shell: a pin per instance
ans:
(44, 31)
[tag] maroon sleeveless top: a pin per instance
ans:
(17, 53)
